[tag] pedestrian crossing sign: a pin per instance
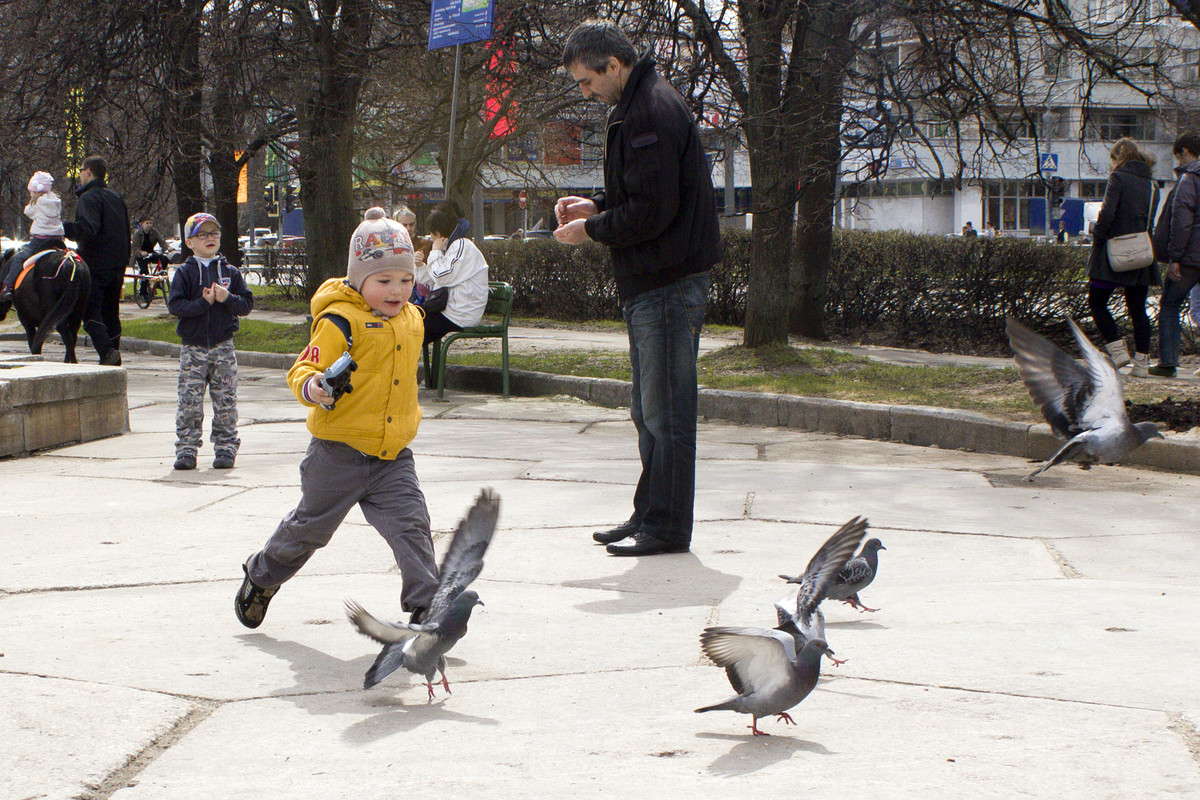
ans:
(1047, 162)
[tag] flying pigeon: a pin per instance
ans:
(801, 616)
(857, 575)
(764, 669)
(1083, 403)
(421, 647)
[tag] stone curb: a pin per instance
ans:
(948, 429)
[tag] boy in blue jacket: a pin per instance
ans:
(208, 295)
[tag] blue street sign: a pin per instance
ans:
(454, 22)
(1047, 162)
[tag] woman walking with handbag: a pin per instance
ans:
(1122, 257)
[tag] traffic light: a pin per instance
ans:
(289, 198)
(271, 200)
(1057, 187)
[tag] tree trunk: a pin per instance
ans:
(773, 173)
(326, 117)
(185, 104)
(770, 245)
(829, 47)
(224, 170)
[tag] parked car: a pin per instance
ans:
(262, 237)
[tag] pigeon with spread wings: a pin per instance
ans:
(421, 647)
(802, 615)
(765, 669)
(1083, 404)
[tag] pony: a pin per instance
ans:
(51, 293)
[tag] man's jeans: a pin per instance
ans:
(664, 339)
(1174, 293)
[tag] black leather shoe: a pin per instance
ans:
(622, 531)
(643, 544)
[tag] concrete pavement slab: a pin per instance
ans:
(1030, 642)
(67, 735)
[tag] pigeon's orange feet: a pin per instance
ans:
(429, 686)
(786, 718)
(446, 684)
(753, 726)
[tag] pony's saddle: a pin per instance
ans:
(67, 256)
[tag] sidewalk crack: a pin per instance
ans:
(126, 774)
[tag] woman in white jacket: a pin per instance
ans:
(456, 264)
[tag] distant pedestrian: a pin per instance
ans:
(1130, 200)
(658, 216)
(101, 231)
(208, 295)
(968, 230)
(990, 231)
(46, 231)
(1178, 244)
(408, 218)
(145, 239)
(359, 452)
(1063, 236)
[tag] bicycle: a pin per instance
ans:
(152, 276)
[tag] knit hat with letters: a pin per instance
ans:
(379, 244)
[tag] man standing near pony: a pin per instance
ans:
(658, 216)
(101, 234)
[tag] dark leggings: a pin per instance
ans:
(437, 326)
(1135, 305)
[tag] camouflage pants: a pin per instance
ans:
(215, 367)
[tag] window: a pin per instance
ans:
(1092, 190)
(1007, 203)
(1108, 126)
(1106, 11)
(591, 147)
(1054, 61)
(913, 188)
(1190, 69)
(938, 129)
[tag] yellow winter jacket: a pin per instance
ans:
(380, 415)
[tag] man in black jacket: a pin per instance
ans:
(1177, 241)
(101, 233)
(658, 216)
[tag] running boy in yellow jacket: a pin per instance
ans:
(359, 452)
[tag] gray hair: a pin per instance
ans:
(594, 42)
(403, 211)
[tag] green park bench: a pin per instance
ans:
(499, 305)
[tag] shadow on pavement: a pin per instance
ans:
(384, 714)
(753, 753)
(663, 581)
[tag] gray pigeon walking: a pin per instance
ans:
(1082, 403)
(421, 647)
(857, 575)
(764, 669)
(801, 616)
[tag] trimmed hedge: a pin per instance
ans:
(940, 293)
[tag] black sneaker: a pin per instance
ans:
(223, 462)
(185, 461)
(1159, 371)
(111, 359)
(251, 602)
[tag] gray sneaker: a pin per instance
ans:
(251, 602)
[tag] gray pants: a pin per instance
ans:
(216, 368)
(333, 477)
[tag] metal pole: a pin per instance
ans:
(453, 117)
